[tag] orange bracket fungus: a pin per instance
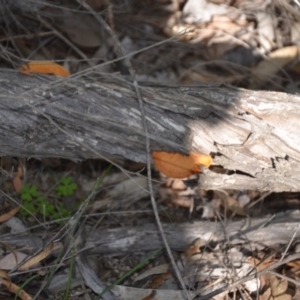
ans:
(44, 67)
(177, 165)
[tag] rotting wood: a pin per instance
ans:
(255, 134)
(255, 233)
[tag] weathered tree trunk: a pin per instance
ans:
(255, 134)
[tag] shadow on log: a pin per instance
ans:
(255, 134)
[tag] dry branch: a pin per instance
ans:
(253, 133)
(257, 233)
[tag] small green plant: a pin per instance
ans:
(34, 203)
(29, 192)
(67, 187)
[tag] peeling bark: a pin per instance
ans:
(255, 134)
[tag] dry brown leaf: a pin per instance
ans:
(11, 260)
(224, 24)
(18, 179)
(3, 274)
(182, 201)
(277, 60)
(208, 76)
(9, 214)
(276, 288)
(34, 260)
(13, 288)
(294, 264)
(194, 249)
(272, 288)
(159, 280)
(259, 264)
(234, 206)
(153, 271)
(150, 296)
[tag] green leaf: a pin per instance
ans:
(60, 190)
(64, 212)
(26, 197)
(42, 200)
(33, 191)
(29, 192)
(51, 209)
(28, 208)
(66, 180)
(56, 216)
(67, 187)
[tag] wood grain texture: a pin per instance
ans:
(255, 233)
(255, 134)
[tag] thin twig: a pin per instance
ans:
(290, 243)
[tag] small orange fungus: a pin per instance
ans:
(44, 67)
(177, 165)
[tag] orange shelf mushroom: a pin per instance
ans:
(44, 67)
(177, 165)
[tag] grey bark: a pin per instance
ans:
(254, 134)
(270, 231)
(253, 234)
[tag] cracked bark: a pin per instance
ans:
(255, 134)
(256, 233)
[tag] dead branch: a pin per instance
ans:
(257, 233)
(252, 133)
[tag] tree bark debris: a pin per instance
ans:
(253, 134)
(255, 233)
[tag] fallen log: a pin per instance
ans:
(243, 237)
(253, 234)
(253, 134)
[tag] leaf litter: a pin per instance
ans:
(216, 41)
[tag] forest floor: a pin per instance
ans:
(248, 44)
